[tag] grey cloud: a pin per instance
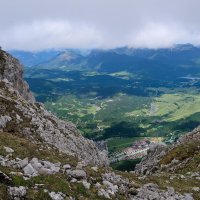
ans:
(37, 24)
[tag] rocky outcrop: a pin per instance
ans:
(36, 167)
(17, 193)
(20, 115)
(149, 163)
(57, 196)
(192, 136)
(103, 183)
(107, 185)
(78, 174)
(11, 71)
(161, 157)
(152, 191)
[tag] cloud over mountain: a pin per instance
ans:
(101, 23)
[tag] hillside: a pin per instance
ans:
(22, 116)
(43, 157)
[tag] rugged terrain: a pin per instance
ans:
(42, 157)
(22, 115)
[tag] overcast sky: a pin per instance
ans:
(43, 24)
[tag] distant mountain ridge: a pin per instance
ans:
(33, 58)
(29, 59)
(170, 63)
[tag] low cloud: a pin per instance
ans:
(46, 34)
(161, 36)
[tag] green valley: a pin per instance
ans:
(118, 107)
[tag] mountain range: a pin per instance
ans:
(170, 63)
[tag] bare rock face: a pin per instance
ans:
(12, 71)
(20, 115)
(192, 136)
(152, 191)
(148, 165)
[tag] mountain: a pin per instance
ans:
(29, 58)
(181, 60)
(170, 63)
(42, 157)
(34, 58)
(65, 58)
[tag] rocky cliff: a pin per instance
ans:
(21, 115)
(11, 71)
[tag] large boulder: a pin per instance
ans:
(78, 174)
(57, 196)
(29, 170)
(17, 193)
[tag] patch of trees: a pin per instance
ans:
(122, 129)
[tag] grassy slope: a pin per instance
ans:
(181, 152)
(117, 144)
(59, 182)
(177, 106)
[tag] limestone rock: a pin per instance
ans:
(16, 173)
(86, 184)
(57, 196)
(8, 150)
(17, 193)
(66, 166)
(23, 163)
(78, 174)
(151, 191)
(4, 119)
(112, 188)
(29, 170)
(12, 71)
(148, 164)
(196, 189)
(103, 193)
(95, 168)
